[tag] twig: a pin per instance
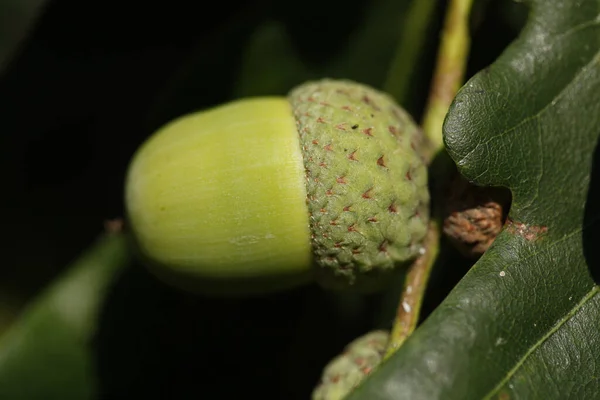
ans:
(113, 226)
(415, 284)
(450, 69)
(447, 79)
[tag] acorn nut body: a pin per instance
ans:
(266, 193)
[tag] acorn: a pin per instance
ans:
(267, 193)
(346, 371)
(474, 215)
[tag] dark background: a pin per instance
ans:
(90, 83)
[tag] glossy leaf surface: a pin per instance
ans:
(524, 322)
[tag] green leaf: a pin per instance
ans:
(17, 18)
(270, 53)
(273, 64)
(47, 353)
(524, 322)
(269, 66)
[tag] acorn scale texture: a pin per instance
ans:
(367, 193)
(474, 215)
(346, 371)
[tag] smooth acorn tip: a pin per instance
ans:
(215, 200)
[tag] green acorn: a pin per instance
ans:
(346, 371)
(266, 193)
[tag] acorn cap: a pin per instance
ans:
(474, 215)
(367, 194)
(346, 371)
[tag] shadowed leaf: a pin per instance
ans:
(47, 353)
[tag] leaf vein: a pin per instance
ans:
(595, 290)
(539, 113)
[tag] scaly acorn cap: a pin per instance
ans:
(263, 194)
(366, 181)
(346, 371)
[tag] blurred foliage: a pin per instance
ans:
(17, 17)
(46, 353)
